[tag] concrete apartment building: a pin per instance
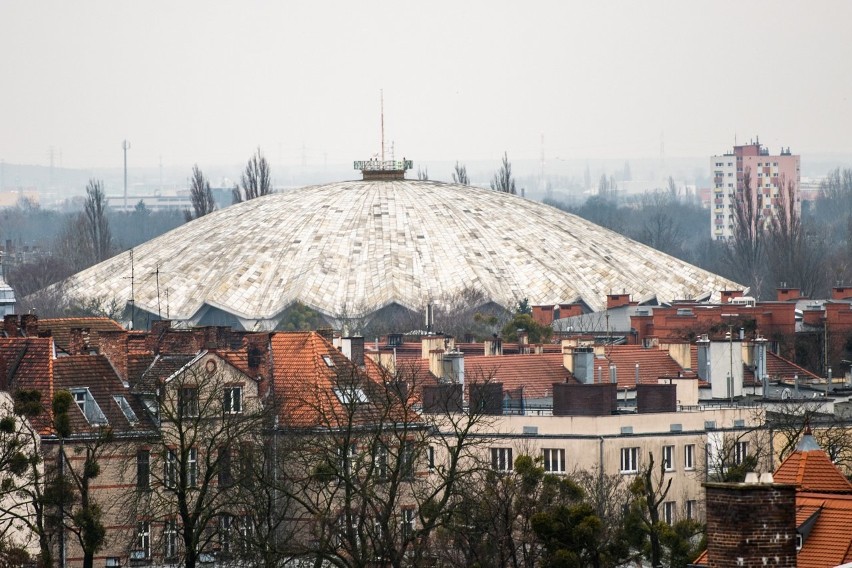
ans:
(768, 175)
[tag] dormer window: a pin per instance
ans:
(350, 395)
(122, 403)
(88, 406)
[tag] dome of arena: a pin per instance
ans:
(355, 248)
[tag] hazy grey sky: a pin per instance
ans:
(208, 82)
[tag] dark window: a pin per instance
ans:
(226, 476)
(233, 403)
(143, 469)
(188, 402)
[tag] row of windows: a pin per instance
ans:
(553, 460)
(232, 401)
(630, 458)
(234, 534)
(170, 467)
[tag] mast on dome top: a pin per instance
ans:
(379, 168)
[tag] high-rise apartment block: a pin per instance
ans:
(767, 175)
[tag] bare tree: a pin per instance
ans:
(97, 224)
(793, 257)
(256, 180)
(200, 195)
(211, 422)
(460, 174)
(372, 477)
(503, 180)
(747, 247)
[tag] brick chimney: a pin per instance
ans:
(785, 294)
(617, 300)
(29, 325)
(728, 295)
(353, 349)
(78, 341)
(10, 325)
(841, 293)
(748, 523)
(113, 345)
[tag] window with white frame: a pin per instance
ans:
(554, 460)
(430, 457)
(170, 540)
(170, 469)
(408, 520)
(740, 452)
(233, 402)
(225, 521)
(192, 463)
(246, 529)
(689, 457)
(143, 541)
(407, 456)
(501, 459)
(669, 512)
(668, 458)
(629, 460)
(347, 457)
(380, 463)
(80, 398)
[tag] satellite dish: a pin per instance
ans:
(786, 394)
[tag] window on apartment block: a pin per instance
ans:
(192, 463)
(225, 522)
(170, 539)
(407, 523)
(380, 463)
(226, 474)
(143, 541)
(407, 457)
(692, 510)
(554, 460)
(430, 458)
(143, 469)
(188, 402)
(233, 402)
(668, 458)
(629, 460)
(689, 456)
(740, 452)
(170, 469)
(347, 457)
(246, 528)
(669, 512)
(501, 459)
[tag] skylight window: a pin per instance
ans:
(125, 408)
(328, 360)
(350, 395)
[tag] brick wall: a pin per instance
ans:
(584, 400)
(751, 525)
(656, 398)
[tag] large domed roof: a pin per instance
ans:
(358, 246)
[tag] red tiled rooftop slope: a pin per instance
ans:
(653, 364)
(60, 329)
(812, 471)
(96, 373)
(535, 373)
(304, 383)
(828, 543)
(27, 363)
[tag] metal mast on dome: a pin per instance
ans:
(378, 168)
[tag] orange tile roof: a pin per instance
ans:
(828, 543)
(812, 470)
(97, 374)
(305, 384)
(653, 364)
(534, 373)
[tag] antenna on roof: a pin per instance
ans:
(382, 102)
